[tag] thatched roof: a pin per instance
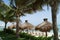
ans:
(44, 26)
(14, 26)
(27, 25)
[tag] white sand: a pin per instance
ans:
(38, 33)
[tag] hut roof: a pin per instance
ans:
(27, 25)
(44, 26)
(14, 26)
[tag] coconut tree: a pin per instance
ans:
(7, 16)
(54, 7)
(4, 12)
(23, 6)
(19, 6)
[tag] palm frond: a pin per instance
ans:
(23, 3)
(3, 7)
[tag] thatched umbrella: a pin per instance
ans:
(12, 26)
(27, 25)
(44, 26)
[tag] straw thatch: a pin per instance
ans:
(23, 26)
(27, 25)
(14, 26)
(44, 26)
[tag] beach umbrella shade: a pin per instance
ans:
(27, 25)
(44, 26)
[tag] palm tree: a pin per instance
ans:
(19, 6)
(7, 16)
(4, 12)
(54, 7)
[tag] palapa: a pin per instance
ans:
(27, 25)
(44, 26)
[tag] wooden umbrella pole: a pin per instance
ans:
(27, 30)
(42, 34)
(46, 33)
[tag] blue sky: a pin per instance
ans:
(37, 17)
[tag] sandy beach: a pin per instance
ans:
(38, 33)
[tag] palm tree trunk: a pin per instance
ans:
(17, 26)
(54, 21)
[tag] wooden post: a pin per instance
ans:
(46, 33)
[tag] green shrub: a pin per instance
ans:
(26, 36)
(23, 36)
(9, 31)
(30, 37)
